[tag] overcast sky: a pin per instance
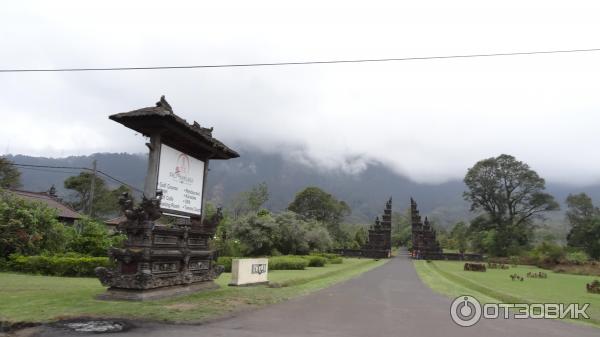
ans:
(429, 120)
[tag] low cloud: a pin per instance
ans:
(428, 120)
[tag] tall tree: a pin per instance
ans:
(584, 219)
(580, 209)
(105, 201)
(250, 201)
(511, 195)
(10, 177)
(314, 203)
(459, 235)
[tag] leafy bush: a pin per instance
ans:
(547, 253)
(328, 256)
(28, 227)
(89, 237)
(225, 261)
(316, 261)
(577, 257)
(336, 260)
(331, 257)
(257, 234)
(56, 265)
(286, 233)
(287, 263)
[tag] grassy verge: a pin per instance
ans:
(27, 298)
(495, 285)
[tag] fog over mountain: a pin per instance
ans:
(428, 120)
(365, 191)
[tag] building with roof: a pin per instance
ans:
(66, 214)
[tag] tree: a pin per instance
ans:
(257, 233)
(314, 203)
(105, 202)
(251, 200)
(92, 238)
(28, 228)
(511, 195)
(584, 219)
(580, 209)
(258, 196)
(284, 233)
(10, 177)
(291, 234)
(361, 236)
(459, 235)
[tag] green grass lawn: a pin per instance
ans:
(495, 285)
(28, 298)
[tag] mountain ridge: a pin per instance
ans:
(365, 191)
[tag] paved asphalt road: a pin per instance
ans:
(387, 301)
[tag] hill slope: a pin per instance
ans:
(365, 192)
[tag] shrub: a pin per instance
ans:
(287, 263)
(225, 261)
(328, 256)
(547, 253)
(577, 257)
(28, 227)
(92, 238)
(336, 260)
(331, 257)
(316, 261)
(57, 265)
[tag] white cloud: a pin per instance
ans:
(429, 120)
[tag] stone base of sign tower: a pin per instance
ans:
(116, 294)
(158, 260)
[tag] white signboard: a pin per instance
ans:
(249, 271)
(180, 178)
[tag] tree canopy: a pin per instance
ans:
(28, 228)
(584, 219)
(105, 202)
(250, 201)
(10, 177)
(314, 203)
(511, 195)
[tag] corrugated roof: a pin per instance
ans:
(64, 211)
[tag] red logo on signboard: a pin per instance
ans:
(183, 165)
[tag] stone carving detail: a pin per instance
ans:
(155, 255)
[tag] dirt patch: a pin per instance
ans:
(592, 269)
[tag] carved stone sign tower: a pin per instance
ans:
(159, 260)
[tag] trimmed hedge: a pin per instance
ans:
(316, 261)
(328, 256)
(56, 265)
(336, 260)
(287, 263)
(331, 257)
